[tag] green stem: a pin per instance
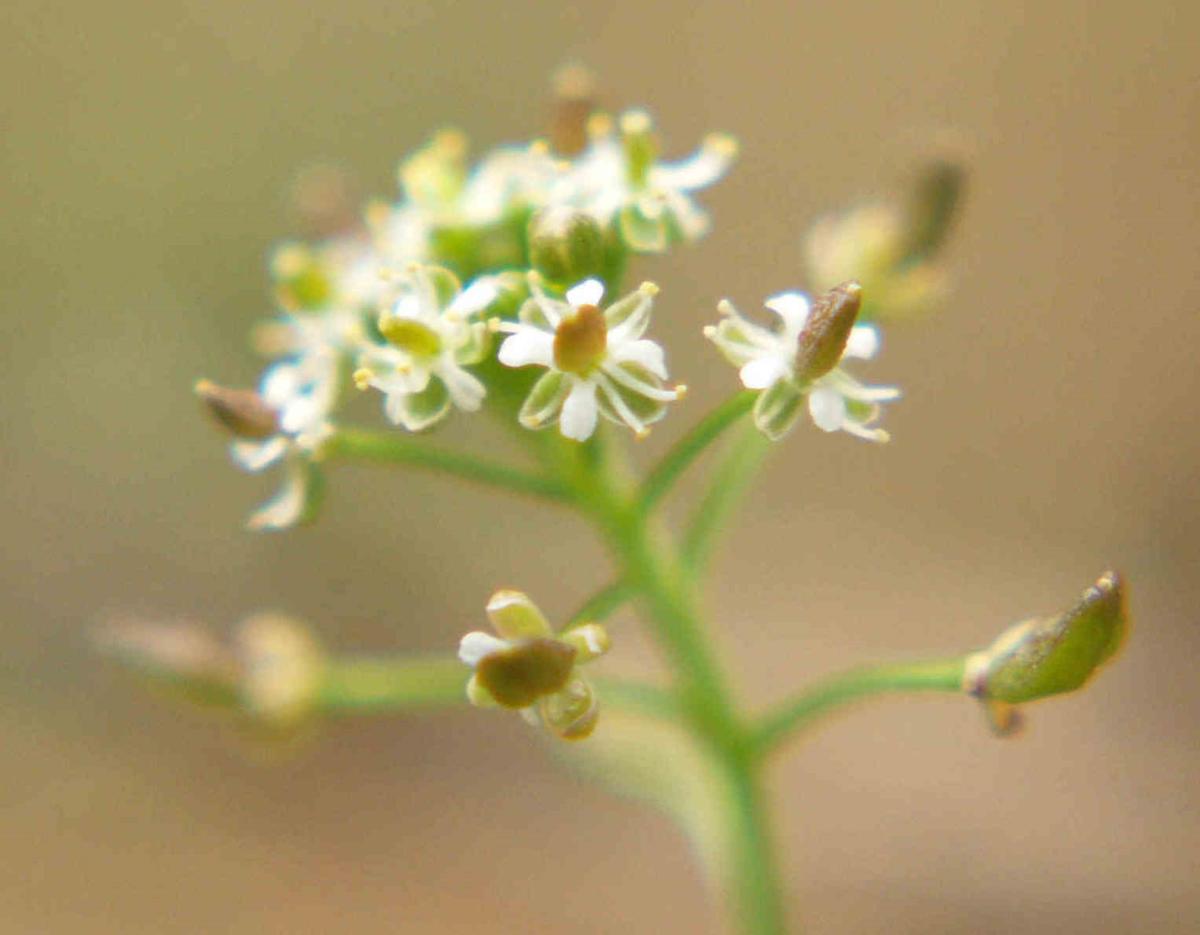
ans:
(729, 482)
(400, 449)
(374, 684)
(818, 700)
(663, 477)
(651, 564)
(603, 604)
(382, 685)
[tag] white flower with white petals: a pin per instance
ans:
(800, 360)
(618, 178)
(429, 338)
(597, 361)
(301, 391)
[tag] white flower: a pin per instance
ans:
(619, 178)
(301, 390)
(430, 339)
(801, 359)
(598, 363)
(533, 670)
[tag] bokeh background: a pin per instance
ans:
(1050, 428)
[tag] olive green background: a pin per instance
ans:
(1050, 428)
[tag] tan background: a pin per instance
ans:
(1050, 427)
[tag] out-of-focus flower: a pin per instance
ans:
(428, 339)
(530, 668)
(618, 179)
(801, 361)
(891, 247)
(597, 361)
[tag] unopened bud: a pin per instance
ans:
(1051, 655)
(519, 675)
(243, 413)
(282, 669)
(566, 245)
(826, 331)
(934, 202)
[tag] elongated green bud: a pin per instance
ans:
(1051, 655)
(934, 203)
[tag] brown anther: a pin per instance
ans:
(531, 669)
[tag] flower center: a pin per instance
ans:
(412, 336)
(580, 341)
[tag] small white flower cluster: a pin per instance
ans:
(387, 303)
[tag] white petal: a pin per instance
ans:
(588, 292)
(578, 419)
(645, 353)
(762, 372)
(254, 456)
(286, 508)
(863, 342)
(476, 645)
(477, 296)
(827, 408)
(527, 346)
(466, 391)
(793, 308)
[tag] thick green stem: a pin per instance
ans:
(400, 449)
(652, 566)
(660, 480)
(816, 701)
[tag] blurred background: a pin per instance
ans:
(1050, 428)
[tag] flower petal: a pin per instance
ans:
(762, 372)
(827, 408)
(588, 292)
(579, 412)
(477, 645)
(647, 354)
(255, 456)
(793, 308)
(863, 342)
(527, 346)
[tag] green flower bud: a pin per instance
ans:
(1051, 655)
(566, 246)
(243, 413)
